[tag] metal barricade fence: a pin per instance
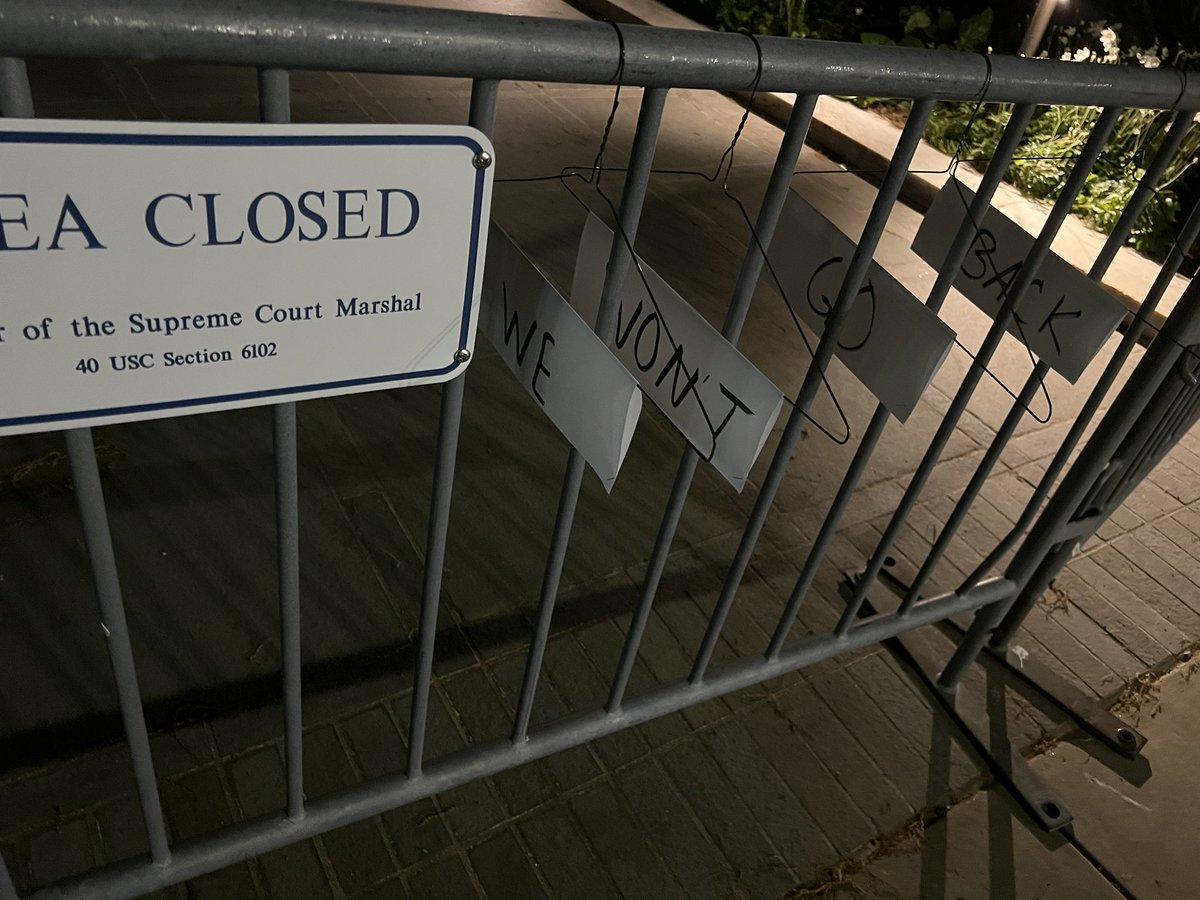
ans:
(277, 37)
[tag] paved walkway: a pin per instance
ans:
(1126, 824)
(754, 795)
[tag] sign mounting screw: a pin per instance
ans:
(462, 355)
(482, 159)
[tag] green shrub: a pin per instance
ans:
(782, 17)
(1053, 140)
(1055, 135)
(938, 28)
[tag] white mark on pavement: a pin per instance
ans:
(1108, 787)
(1021, 654)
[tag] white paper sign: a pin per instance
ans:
(891, 341)
(155, 269)
(715, 396)
(1064, 317)
(565, 367)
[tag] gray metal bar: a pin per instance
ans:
(287, 529)
(17, 100)
(985, 732)
(482, 115)
(637, 180)
(1123, 474)
(1104, 483)
(1014, 131)
(1112, 244)
(556, 555)
(274, 97)
(979, 478)
(1087, 712)
(435, 556)
(856, 272)
(986, 620)
(1182, 424)
(1136, 467)
(972, 641)
(274, 103)
(1181, 329)
(739, 305)
(1163, 417)
(969, 646)
(1170, 267)
(1041, 246)
(90, 496)
(1110, 493)
(328, 34)
(1162, 438)
(262, 835)
(8, 891)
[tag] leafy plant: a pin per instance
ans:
(939, 29)
(783, 17)
(1053, 140)
(1055, 135)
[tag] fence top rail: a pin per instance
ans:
(337, 35)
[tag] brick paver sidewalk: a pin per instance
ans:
(751, 795)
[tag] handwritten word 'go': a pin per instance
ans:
(829, 277)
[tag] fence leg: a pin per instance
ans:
(1023, 281)
(739, 305)
(967, 705)
(856, 273)
(483, 117)
(1014, 131)
(8, 890)
(15, 100)
(637, 181)
(275, 106)
(90, 494)
(1087, 713)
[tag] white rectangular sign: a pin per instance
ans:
(155, 269)
(891, 341)
(563, 365)
(1064, 317)
(715, 396)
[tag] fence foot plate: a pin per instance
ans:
(967, 707)
(1087, 712)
